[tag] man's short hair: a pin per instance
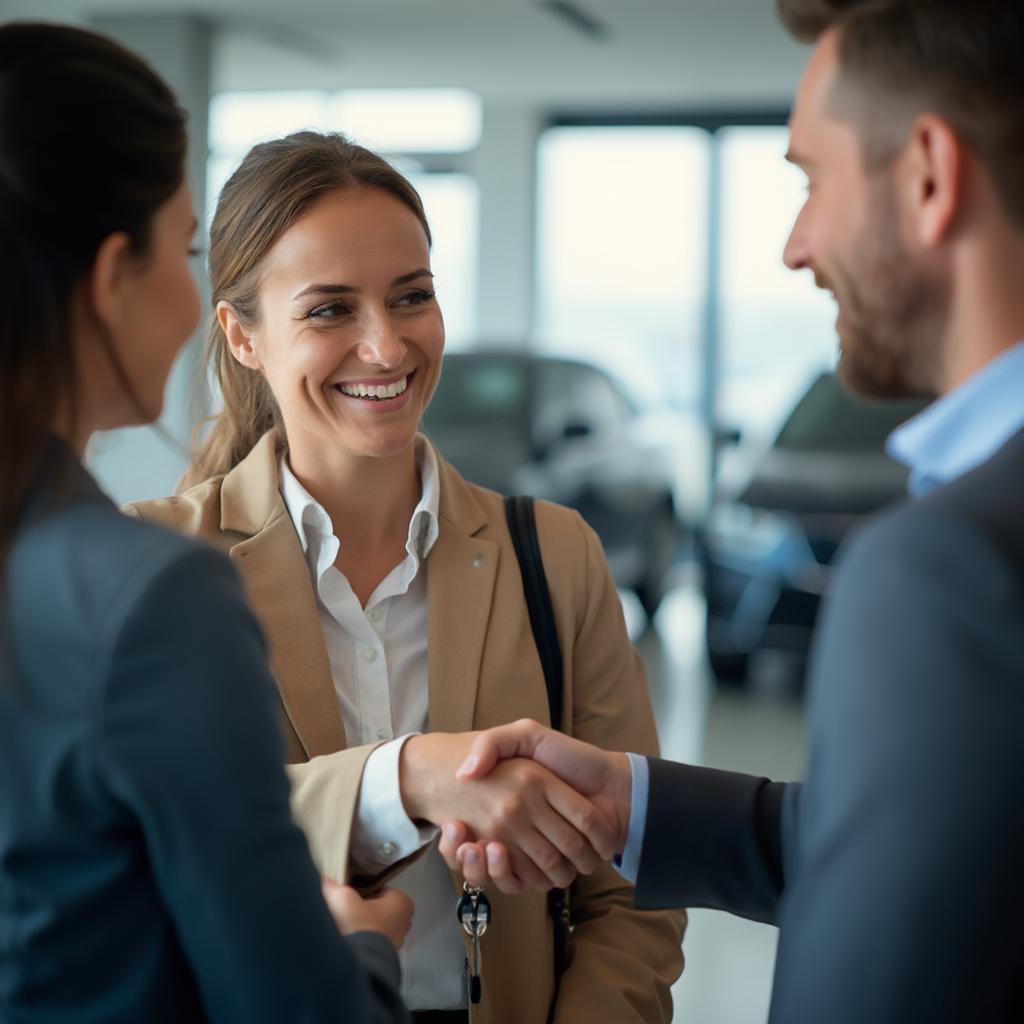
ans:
(962, 60)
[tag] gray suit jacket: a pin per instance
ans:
(149, 868)
(894, 872)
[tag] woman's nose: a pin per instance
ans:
(382, 344)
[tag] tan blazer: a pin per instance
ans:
(483, 670)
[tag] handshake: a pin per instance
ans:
(520, 806)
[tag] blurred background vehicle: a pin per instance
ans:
(780, 512)
(566, 431)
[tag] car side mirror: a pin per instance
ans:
(544, 449)
(727, 436)
(576, 429)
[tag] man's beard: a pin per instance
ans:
(891, 312)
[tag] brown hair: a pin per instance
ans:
(272, 187)
(960, 59)
(92, 142)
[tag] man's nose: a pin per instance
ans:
(796, 253)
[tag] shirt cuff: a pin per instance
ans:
(383, 833)
(628, 863)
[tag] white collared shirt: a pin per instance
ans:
(378, 657)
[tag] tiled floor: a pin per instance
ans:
(729, 961)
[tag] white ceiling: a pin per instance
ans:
(657, 53)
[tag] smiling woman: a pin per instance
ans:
(389, 589)
(340, 311)
(250, 235)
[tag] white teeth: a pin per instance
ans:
(375, 391)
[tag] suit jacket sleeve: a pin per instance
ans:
(189, 745)
(714, 839)
(623, 960)
(906, 902)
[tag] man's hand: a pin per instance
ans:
(548, 831)
(388, 912)
(602, 777)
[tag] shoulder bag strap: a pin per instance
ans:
(522, 525)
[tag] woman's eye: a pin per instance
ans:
(328, 311)
(416, 298)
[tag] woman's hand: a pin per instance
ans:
(549, 831)
(388, 912)
(603, 777)
(481, 863)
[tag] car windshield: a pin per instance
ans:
(484, 393)
(827, 418)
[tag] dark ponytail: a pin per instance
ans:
(92, 142)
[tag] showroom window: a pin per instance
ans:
(777, 328)
(659, 256)
(622, 225)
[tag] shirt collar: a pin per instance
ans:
(313, 524)
(965, 428)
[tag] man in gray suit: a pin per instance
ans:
(894, 871)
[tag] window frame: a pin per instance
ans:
(713, 122)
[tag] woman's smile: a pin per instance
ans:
(377, 395)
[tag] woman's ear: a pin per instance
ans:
(108, 276)
(240, 341)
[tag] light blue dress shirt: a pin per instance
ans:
(951, 437)
(964, 428)
(629, 863)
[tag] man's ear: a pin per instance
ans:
(934, 181)
(105, 284)
(240, 341)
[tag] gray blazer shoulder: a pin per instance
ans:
(134, 664)
(898, 894)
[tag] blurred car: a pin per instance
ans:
(779, 514)
(561, 429)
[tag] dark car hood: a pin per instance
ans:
(808, 482)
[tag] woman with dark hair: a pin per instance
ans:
(149, 868)
(390, 593)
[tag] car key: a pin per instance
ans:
(474, 913)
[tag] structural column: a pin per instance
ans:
(506, 173)
(140, 462)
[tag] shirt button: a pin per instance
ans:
(369, 654)
(387, 849)
(382, 734)
(375, 615)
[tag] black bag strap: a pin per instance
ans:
(522, 525)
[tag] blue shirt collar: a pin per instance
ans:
(965, 428)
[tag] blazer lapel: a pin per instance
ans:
(277, 581)
(461, 572)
